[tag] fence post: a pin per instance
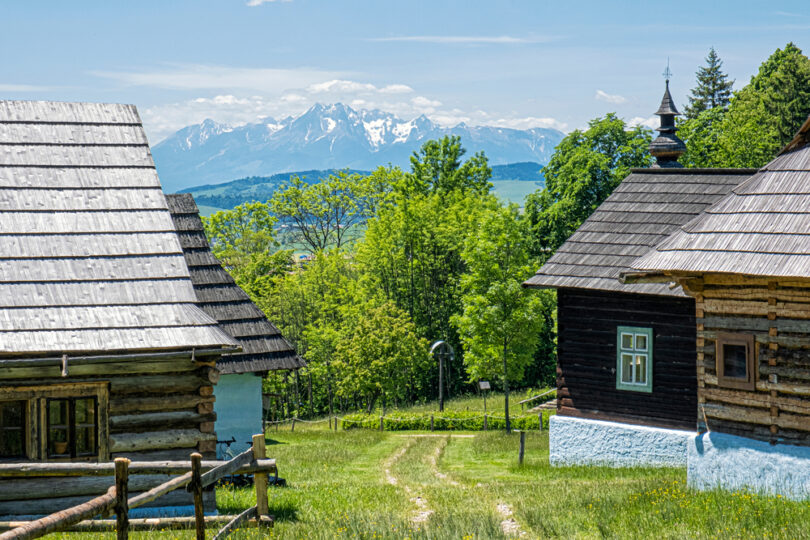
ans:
(522, 446)
(431, 422)
(382, 427)
(121, 496)
(540, 421)
(485, 422)
(336, 423)
(292, 428)
(196, 483)
(260, 479)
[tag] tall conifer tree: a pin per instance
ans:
(713, 87)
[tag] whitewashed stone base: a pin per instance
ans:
(738, 463)
(579, 441)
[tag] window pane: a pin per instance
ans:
(734, 361)
(627, 368)
(11, 443)
(58, 412)
(85, 441)
(12, 429)
(85, 411)
(641, 368)
(12, 413)
(627, 341)
(641, 342)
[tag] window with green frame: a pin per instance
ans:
(634, 356)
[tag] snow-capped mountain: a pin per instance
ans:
(326, 137)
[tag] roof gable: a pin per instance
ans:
(89, 261)
(263, 346)
(640, 213)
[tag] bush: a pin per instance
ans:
(446, 421)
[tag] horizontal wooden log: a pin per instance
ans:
(60, 519)
(173, 438)
(756, 416)
(158, 491)
(12, 489)
(176, 383)
(761, 400)
(145, 404)
(162, 419)
(88, 370)
(171, 454)
(32, 469)
(687, 424)
(140, 524)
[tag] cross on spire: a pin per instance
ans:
(667, 73)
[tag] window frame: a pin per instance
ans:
(23, 429)
(738, 383)
(71, 428)
(647, 386)
(36, 430)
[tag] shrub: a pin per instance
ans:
(445, 421)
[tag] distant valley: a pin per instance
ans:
(511, 182)
(321, 139)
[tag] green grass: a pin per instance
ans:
(473, 402)
(338, 487)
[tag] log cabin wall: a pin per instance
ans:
(777, 314)
(586, 369)
(158, 409)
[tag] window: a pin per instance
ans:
(72, 427)
(12, 429)
(60, 422)
(634, 359)
(736, 361)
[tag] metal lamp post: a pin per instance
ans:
(442, 351)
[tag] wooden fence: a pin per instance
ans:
(116, 500)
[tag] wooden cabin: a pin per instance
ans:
(746, 262)
(624, 351)
(103, 350)
(238, 393)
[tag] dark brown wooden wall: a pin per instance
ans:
(586, 357)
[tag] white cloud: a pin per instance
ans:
(210, 77)
(425, 105)
(396, 89)
(610, 98)
(530, 122)
(254, 3)
(337, 85)
(467, 40)
(23, 88)
(651, 122)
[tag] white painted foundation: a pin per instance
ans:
(580, 441)
(239, 411)
(719, 460)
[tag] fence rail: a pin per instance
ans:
(253, 461)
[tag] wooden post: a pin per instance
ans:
(336, 423)
(196, 486)
(485, 422)
(292, 428)
(121, 496)
(382, 427)
(260, 479)
(330, 423)
(431, 422)
(540, 421)
(522, 446)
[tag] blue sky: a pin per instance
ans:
(510, 63)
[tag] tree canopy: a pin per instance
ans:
(713, 87)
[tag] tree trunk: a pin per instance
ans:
(506, 389)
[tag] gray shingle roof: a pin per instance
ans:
(264, 348)
(640, 213)
(761, 228)
(89, 261)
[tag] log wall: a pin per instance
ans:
(586, 353)
(777, 314)
(160, 409)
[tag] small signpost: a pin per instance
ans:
(484, 386)
(442, 351)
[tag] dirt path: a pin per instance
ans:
(509, 525)
(423, 511)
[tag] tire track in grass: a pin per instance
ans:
(423, 511)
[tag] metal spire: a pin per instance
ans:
(667, 147)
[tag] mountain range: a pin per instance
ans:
(327, 137)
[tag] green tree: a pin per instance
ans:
(713, 88)
(437, 167)
(323, 214)
(501, 321)
(584, 170)
(701, 135)
(243, 240)
(764, 116)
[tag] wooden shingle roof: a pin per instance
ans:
(89, 261)
(761, 228)
(640, 213)
(264, 348)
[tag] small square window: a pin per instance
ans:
(736, 361)
(634, 359)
